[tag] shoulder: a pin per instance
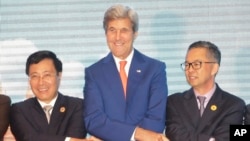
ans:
(248, 108)
(4, 99)
(147, 58)
(99, 63)
(25, 103)
(72, 100)
(178, 95)
(182, 95)
(23, 106)
(231, 98)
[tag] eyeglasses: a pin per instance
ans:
(195, 65)
(45, 77)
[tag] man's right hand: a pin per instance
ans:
(147, 135)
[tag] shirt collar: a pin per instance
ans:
(208, 95)
(128, 59)
(52, 102)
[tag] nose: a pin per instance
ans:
(118, 35)
(190, 68)
(41, 80)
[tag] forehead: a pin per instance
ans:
(120, 23)
(197, 54)
(42, 66)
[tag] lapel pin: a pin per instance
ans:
(62, 109)
(213, 107)
(138, 71)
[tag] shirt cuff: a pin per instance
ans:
(212, 139)
(133, 136)
(67, 139)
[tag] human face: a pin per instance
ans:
(201, 79)
(120, 37)
(44, 80)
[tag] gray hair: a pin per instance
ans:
(119, 12)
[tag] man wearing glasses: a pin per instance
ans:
(204, 112)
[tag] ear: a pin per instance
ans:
(59, 75)
(135, 35)
(215, 69)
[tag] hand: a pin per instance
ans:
(164, 138)
(88, 139)
(147, 135)
(92, 138)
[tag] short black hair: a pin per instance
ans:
(212, 48)
(38, 56)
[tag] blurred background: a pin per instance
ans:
(73, 30)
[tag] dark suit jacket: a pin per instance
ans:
(29, 123)
(111, 117)
(4, 114)
(247, 115)
(185, 124)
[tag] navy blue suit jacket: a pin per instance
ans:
(185, 124)
(112, 117)
(29, 123)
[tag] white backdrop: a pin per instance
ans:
(73, 30)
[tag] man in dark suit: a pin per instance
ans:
(29, 119)
(247, 115)
(117, 110)
(4, 114)
(191, 119)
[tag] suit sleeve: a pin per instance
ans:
(4, 115)
(75, 127)
(154, 118)
(175, 126)
(23, 130)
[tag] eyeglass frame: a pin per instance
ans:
(47, 76)
(184, 68)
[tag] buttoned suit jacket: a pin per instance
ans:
(4, 114)
(112, 117)
(29, 123)
(185, 124)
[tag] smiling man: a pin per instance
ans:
(204, 112)
(62, 121)
(125, 103)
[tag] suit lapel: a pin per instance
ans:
(112, 79)
(191, 109)
(58, 114)
(136, 71)
(38, 115)
(213, 108)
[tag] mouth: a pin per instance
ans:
(43, 89)
(192, 77)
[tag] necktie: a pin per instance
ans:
(47, 109)
(123, 75)
(202, 101)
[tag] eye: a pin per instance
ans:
(34, 77)
(47, 75)
(111, 29)
(196, 64)
(186, 65)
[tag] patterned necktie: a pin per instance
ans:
(202, 101)
(47, 109)
(123, 75)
